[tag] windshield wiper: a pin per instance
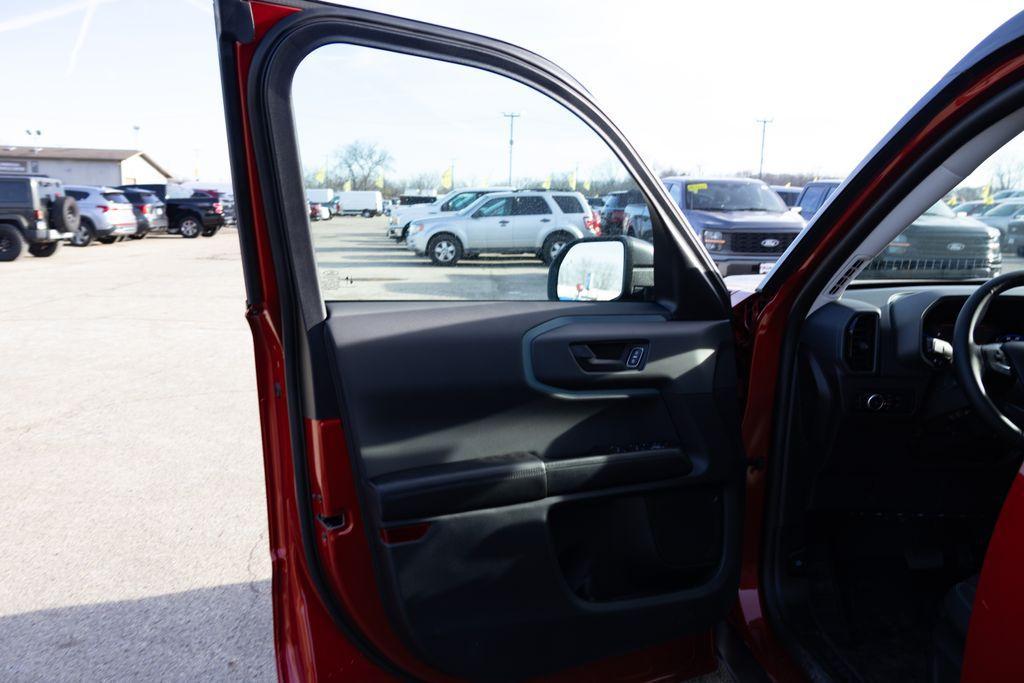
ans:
(749, 208)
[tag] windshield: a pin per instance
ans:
(705, 195)
(1007, 209)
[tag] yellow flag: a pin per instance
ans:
(986, 194)
(547, 183)
(347, 187)
(952, 201)
(380, 181)
(572, 180)
(321, 175)
(586, 185)
(446, 178)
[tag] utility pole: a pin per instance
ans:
(137, 129)
(511, 116)
(760, 167)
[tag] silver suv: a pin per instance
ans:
(539, 223)
(107, 214)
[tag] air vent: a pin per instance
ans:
(844, 279)
(860, 342)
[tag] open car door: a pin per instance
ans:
(482, 484)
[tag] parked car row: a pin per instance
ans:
(37, 213)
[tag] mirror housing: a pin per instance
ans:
(601, 269)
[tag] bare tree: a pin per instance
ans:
(362, 163)
(1007, 175)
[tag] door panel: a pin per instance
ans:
(569, 525)
(488, 490)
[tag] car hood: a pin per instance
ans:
(945, 226)
(761, 220)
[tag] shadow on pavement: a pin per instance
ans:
(224, 632)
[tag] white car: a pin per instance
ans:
(456, 200)
(539, 223)
(107, 214)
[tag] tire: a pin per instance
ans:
(11, 243)
(83, 235)
(366, 213)
(43, 249)
(405, 233)
(444, 249)
(107, 240)
(190, 227)
(65, 215)
(553, 244)
(138, 235)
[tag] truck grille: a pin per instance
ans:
(921, 264)
(752, 242)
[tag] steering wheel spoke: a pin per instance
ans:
(995, 358)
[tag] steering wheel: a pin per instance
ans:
(972, 360)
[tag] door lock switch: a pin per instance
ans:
(635, 357)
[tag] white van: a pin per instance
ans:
(360, 202)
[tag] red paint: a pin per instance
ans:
(404, 534)
(994, 634)
(766, 317)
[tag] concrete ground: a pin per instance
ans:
(132, 511)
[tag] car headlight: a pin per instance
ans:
(714, 240)
(415, 229)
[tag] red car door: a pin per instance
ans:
(477, 490)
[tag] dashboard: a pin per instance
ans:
(882, 417)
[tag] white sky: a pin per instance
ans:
(684, 80)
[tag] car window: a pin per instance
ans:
(461, 201)
(15, 192)
(812, 199)
(115, 197)
(676, 190)
(500, 206)
(406, 141)
(568, 203)
(1007, 209)
(78, 194)
(531, 206)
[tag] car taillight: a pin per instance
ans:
(144, 209)
(593, 223)
(39, 214)
(103, 208)
(218, 207)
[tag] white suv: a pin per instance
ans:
(456, 200)
(539, 223)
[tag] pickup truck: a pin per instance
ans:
(200, 214)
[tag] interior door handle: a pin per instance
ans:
(609, 356)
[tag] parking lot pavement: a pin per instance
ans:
(357, 261)
(132, 510)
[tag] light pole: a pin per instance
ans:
(764, 125)
(136, 129)
(511, 116)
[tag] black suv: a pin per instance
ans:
(34, 210)
(614, 210)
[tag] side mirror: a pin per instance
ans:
(601, 269)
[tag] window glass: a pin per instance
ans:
(811, 200)
(568, 203)
(676, 190)
(728, 195)
(531, 206)
(116, 198)
(15, 192)
(78, 194)
(461, 201)
(502, 206)
(443, 130)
